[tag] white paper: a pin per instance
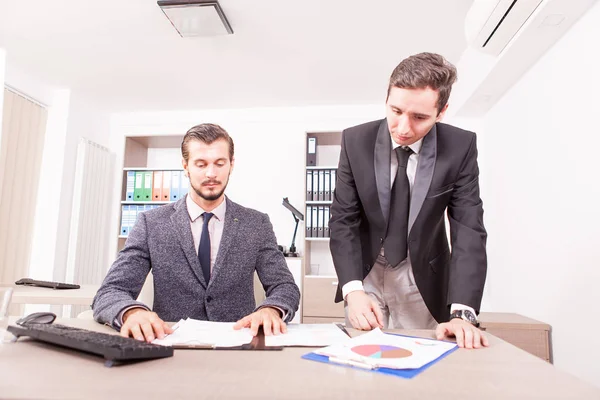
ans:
(310, 335)
(378, 349)
(191, 332)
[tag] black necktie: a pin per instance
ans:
(395, 244)
(204, 248)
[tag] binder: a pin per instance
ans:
(124, 226)
(326, 221)
(321, 185)
(166, 186)
(315, 185)
(130, 185)
(314, 221)
(309, 182)
(321, 215)
(308, 221)
(332, 183)
(147, 191)
(130, 217)
(311, 152)
(138, 191)
(327, 186)
(175, 183)
(185, 185)
(157, 185)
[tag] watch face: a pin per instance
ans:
(469, 317)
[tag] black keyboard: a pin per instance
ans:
(113, 348)
(53, 285)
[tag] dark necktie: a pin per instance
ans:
(395, 244)
(204, 248)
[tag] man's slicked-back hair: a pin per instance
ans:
(207, 133)
(425, 70)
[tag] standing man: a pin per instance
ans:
(203, 251)
(396, 179)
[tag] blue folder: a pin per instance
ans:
(404, 373)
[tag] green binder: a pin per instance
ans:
(147, 186)
(138, 191)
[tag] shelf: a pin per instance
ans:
(158, 203)
(319, 167)
(317, 239)
(312, 276)
(151, 169)
(319, 202)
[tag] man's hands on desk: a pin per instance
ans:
(142, 324)
(364, 314)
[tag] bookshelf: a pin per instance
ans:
(319, 277)
(146, 161)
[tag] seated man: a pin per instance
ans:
(203, 251)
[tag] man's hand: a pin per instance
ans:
(363, 312)
(467, 336)
(268, 317)
(142, 324)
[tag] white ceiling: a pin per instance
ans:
(124, 55)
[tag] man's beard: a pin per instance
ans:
(211, 196)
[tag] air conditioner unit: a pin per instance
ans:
(491, 24)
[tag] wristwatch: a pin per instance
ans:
(465, 315)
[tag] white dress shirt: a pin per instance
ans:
(411, 172)
(215, 226)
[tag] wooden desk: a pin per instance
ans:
(501, 371)
(39, 295)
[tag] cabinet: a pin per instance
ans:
(525, 333)
(319, 277)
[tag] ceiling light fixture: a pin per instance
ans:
(193, 18)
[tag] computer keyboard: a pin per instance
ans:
(113, 348)
(53, 285)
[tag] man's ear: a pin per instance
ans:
(184, 165)
(441, 113)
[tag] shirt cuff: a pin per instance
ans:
(351, 286)
(118, 322)
(458, 306)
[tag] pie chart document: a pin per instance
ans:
(382, 350)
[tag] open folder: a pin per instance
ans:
(399, 355)
(195, 334)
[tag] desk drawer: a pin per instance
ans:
(532, 341)
(319, 296)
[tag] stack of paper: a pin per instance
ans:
(206, 334)
(380, 350)
(194, 333)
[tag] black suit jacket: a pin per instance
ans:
(447, 178)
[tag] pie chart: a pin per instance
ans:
(381, 351)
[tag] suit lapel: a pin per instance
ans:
(383, 151)
(230, 229)
(425, 168)
(181, 222)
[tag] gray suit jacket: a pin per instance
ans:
(162, 241)
(447, 180)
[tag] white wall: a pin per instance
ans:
(2, 70)
(540, 177)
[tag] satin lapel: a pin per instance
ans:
(383, 151)
(424, 175)
(181, 222)
(230, 229)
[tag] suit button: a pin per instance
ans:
(367, 267)
(208, 299)
(380, 240)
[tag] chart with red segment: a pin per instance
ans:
(381, 351)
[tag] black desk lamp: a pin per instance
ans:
(297, 217)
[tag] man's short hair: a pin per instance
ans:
(424, 70)
(207, 133)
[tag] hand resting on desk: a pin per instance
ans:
(142, 324)
(467, 335)
(268, 317)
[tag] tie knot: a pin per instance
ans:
(403, 152)
(207, 216)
